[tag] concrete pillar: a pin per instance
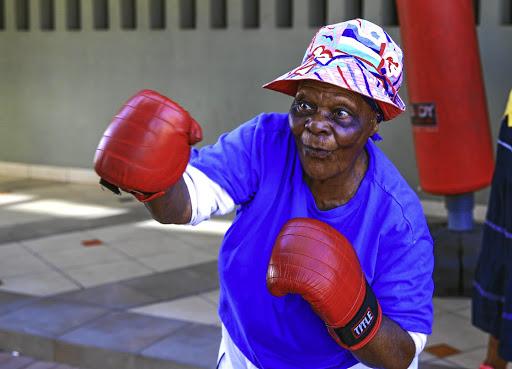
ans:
(267, 13)
(34, 15)
(341, 11)
(203, 9)
(142, 15)
(10, 16)
(172, 11)
(234, 14)
(87, 15)
(300, 14)
(114, 13)
(60, 15)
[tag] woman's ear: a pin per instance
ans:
(375, 127)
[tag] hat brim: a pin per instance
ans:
(348, 76)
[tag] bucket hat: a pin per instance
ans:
(356, 55)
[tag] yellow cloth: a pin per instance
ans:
(508, 110)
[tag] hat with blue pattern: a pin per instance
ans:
(356, 55)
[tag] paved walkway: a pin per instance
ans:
(15, 361)
(88, 280)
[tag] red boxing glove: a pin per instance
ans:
(146, 148)
(314, 260)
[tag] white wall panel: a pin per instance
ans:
(61, 88)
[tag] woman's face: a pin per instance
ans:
(331, 126)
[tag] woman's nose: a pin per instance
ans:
(318, 125)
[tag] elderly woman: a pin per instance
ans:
(329, 260)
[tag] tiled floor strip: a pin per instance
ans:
(96, 284)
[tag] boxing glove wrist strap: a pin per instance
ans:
(363, 326)
(141, 196)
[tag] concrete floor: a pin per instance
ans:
(88, 280)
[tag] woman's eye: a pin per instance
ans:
(341, 113)
(303, 105)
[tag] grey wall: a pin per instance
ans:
(60, 88)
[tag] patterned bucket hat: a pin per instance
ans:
(356, 55)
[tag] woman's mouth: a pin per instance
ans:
(316, 152)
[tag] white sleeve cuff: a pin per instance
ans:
(206, 197)
(420, 340)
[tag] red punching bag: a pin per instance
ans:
(445, 84)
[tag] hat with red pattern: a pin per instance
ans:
(356, 55)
